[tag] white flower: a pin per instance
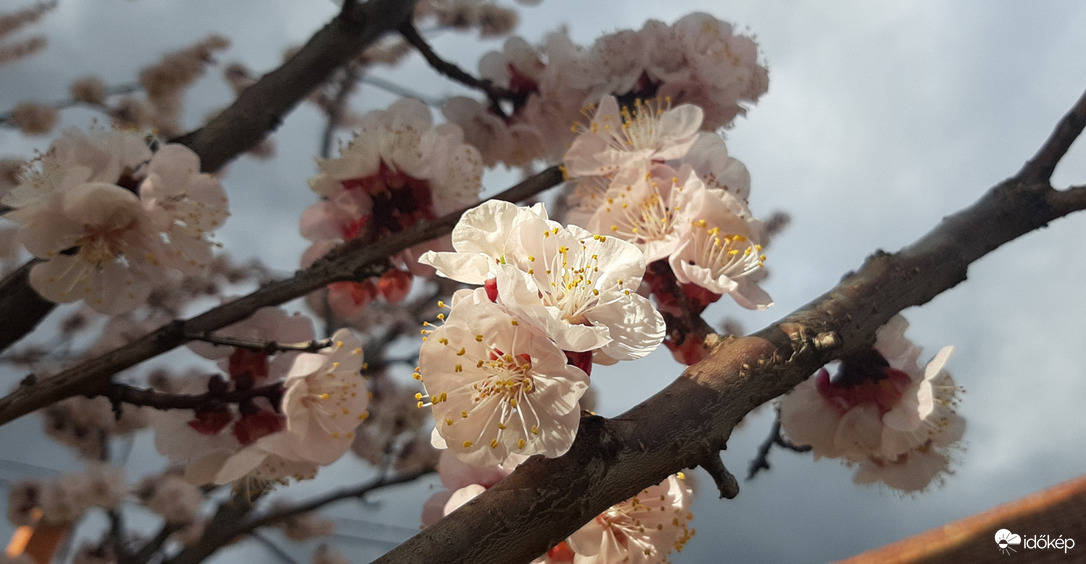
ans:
(498, 386)
(647, 209)
(325, 401)
(577, 287)
(481, 240)
(572, 283)
(118, 253)
(926, 413)
(77, 158)
(183, 204)
(642, 529)
(710, 161)
(721, 248)
(911, 471)
(618, 139)
(132, 219)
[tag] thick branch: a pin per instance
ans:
(351, 261)
(688, 422)
(260, 108)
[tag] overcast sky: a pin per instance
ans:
(878, 122)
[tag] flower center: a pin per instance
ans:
(572, 283)
(731, 255)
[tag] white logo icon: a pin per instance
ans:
(1005, 539)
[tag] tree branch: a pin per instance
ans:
(690, 421)
(351, 261)
(123, 393)
(1041, 166)
(260, 108)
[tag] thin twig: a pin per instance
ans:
(358, 492)
(274, 548)
(269, 347)
(761, 460)
(124, 393)
(493, 93)
(402, 91)
(6, 117)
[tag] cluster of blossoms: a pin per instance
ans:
(398, 170)
(884, 412)
(647, 174)
(696, 60)
(113, 219)
(301, 412)
(506, 369)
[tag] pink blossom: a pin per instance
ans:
(398, 170)
(883, 411)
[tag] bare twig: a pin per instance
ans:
(117, 89)
(761, 460)
(227, 530)
(123, 393)
(493, 93)
(269, 347)
(357, 492)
